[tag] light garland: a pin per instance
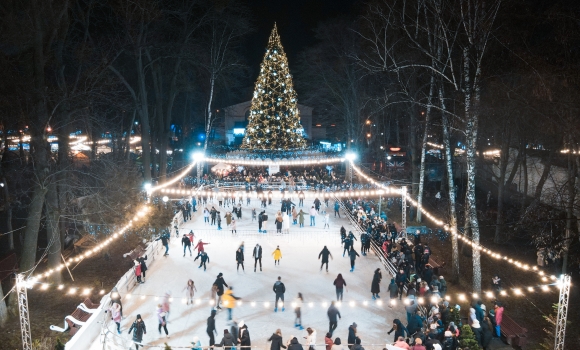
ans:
(276, 193)
(180, 176)
(259, 162)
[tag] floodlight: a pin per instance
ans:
(198, 156)
(350, 156)
(165, 199)
(147, 187)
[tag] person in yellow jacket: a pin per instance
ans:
(229, 301)
(277, 255)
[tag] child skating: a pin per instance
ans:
(277, 255)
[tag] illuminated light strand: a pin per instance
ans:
(435, 145)
(467, 240)
(259, 162)
(276, 193)
(178, 177)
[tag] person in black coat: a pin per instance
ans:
(186, 243)
(276, 340)
(352, 255)
(375, 285)
(220, 283)
(227, 340)
(324, 253)
(141, 261)
(399, 329)
(401, 280)
(486, 333)
(295, 345)
(427, 274)
(352, 335)
(211, 327)
(240, 259)
(244, 337)
(140, 329)
(204, 258)
(257, 254)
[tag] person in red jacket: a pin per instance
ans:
(199, 247)
(138, 271)
(498, 309)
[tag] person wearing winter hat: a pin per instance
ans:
(116, 298)
(140, 329)
(161, 314)
(115, 311)
(449, 341)
(276, 339)
(476, 328)
(211, 328)
(401, 343)
(227, 340)
(337, 345)
(352, 335)
(196, 343)
(244, 337)
(443, 288)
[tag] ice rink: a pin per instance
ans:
(300, 272)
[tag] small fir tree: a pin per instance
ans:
(467, 339)
(274, 120)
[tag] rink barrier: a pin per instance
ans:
(95, 327)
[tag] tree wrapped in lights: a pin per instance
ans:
(274, 121)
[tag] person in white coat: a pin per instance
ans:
(285, 223)
(311, 338)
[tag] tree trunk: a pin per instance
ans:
(53, 232)
(8, 213)
(451, 185)
(516, 165)
(545, 174)
(209, 120)
(424, 148)
(525, 180)
(144, 113)
(414, 158)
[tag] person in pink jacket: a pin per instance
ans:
(115, 311)
(498, 317)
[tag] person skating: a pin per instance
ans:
(141, 261)
(186, 243)
(326, 220)
(137, 271)
(115, 311)
(298, 311)
(204, 258)
(220, 283)
(313, 213)
(277, 254)
(400, 280)
(332, 314)
(115, 297)
(276, 339)
(234, 226)
(279, 289)
(227, 341)
(347, 244)
(393, 292)
(165, 241)
(219, 221)
(213, 215)
(294, 344)
(244, 337)
(399, 330)
(257, 255)
(301, 218)
(375, 285)
(324, 254)
(140, 329)
(339, 284)
(337, 345)
(301, 198)
(229, 301)
(279, 222)
(240, 259)
(336, 209)
(190, 290)
(352, 254)
(161, 317)
(211, 328)
(200, 246)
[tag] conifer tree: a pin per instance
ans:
(274, 121)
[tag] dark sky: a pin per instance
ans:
(296, 20)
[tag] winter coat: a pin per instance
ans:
(401, 278)
(400, 329)
(333, 313)
(227, 341)
(239, 256)
(211, 322)
(414, 323)
(486, 333)
(204, 258)
(294, 345)
(277, 342)
(199, 246)
(339, 282)
(277, 254)
(498, 315)
(161, 315)
(245, 337)
(141, 261)
(393, 289)
(328, 342)
(257, 254)
(279, 223)
(375, 285)
(185, 241)
(353, 254)
(228, 218)
(220, 284)
(301, 222)
(279, 288)
(325, 253)
(140, 329)
(115, 314)
(351, 335)
(449, 343)
(229, 299)
(311, 339)
(137, 270)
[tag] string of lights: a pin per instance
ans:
(268, 162)
(277, 193)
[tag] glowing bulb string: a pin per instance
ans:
(174, 180)
(259, 162)
(276, 193)
(464, 238)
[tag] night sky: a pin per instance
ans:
(296, 20)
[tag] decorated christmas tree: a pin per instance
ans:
(274, 120)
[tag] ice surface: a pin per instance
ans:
(300, 272)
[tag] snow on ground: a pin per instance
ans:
(300, 272)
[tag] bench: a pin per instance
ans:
(78, 318)
(514, 334)
(436, 266)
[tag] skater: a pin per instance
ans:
(137, 271)
(393, 292)
(400, 280)
(352, 255)
(115, 311)
(190, 288)
(279, 222)
(253, 214)
(239, 211)
(326, 220)
(229, 301)
(301, 198)
(140, 329)
(339, 284)
(228, 218)
(205, 216)
(167, 304)
(301, 218)
(257, 254)
(347, 242)
(332, 320)
(313, 213)
(196, 343)
(219, 221)
(213, 215)
(277, 255)
(399, 329)
(244, 337)
(279, 289)
(165, 241)
(141, 261)
(298, 311)
(336, 209)
(220, 283)
(191, 236)
(240, 259)
(375, 285)
(199, 247)
(211, 328)
(204, 258)
(286, 223)
(325, 253)
(186, 243)
(233, 227)
(276, 339)
(161, 314)
(116, 298)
